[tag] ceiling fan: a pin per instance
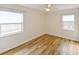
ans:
(49, 6)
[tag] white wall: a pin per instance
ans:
(33, 27)
(54, 24)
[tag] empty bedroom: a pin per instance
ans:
(39, 29)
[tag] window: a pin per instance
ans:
(10, 23)
(68, 22)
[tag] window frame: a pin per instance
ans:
(63, 21)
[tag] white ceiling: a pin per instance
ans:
(54, 6)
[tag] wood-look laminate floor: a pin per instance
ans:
(46, 45)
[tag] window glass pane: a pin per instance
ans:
(10, 23)
(68, 18)
(68, 22)
(10, 17)
(10, 28)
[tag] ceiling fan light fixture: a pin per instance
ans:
(47, 9)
